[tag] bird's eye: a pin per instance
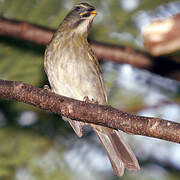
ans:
(77, 8)
(86, 15)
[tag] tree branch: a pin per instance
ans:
(119, 54)
(90, 113)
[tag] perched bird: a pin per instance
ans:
(73, 71)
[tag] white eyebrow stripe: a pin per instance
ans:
(82, 5)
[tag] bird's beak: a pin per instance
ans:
(93, 13)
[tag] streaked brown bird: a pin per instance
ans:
(73, 71)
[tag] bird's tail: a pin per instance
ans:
(118, 151)
(76, 125)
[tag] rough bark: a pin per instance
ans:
(90, 113)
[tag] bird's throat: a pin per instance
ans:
(81, 26)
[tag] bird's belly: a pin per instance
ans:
(75, 79)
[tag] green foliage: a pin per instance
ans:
(21, 61)
(23, 150)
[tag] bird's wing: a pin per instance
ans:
(95, 61)
(76, 125)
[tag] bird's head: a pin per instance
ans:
(80, 17)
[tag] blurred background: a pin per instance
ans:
(40, 145)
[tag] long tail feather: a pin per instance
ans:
(76, 125)
(118, 151)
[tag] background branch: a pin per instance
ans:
(119, 54)
(90, 113)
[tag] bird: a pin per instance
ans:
(74, 71)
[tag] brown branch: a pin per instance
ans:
(90, 113)
(118, 54)
(122, 54)
(25, 31)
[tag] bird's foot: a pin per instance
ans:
(87, 100)
(46, 87)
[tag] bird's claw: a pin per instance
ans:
(46, 87)
(87, 100)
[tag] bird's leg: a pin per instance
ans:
(87, 100)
